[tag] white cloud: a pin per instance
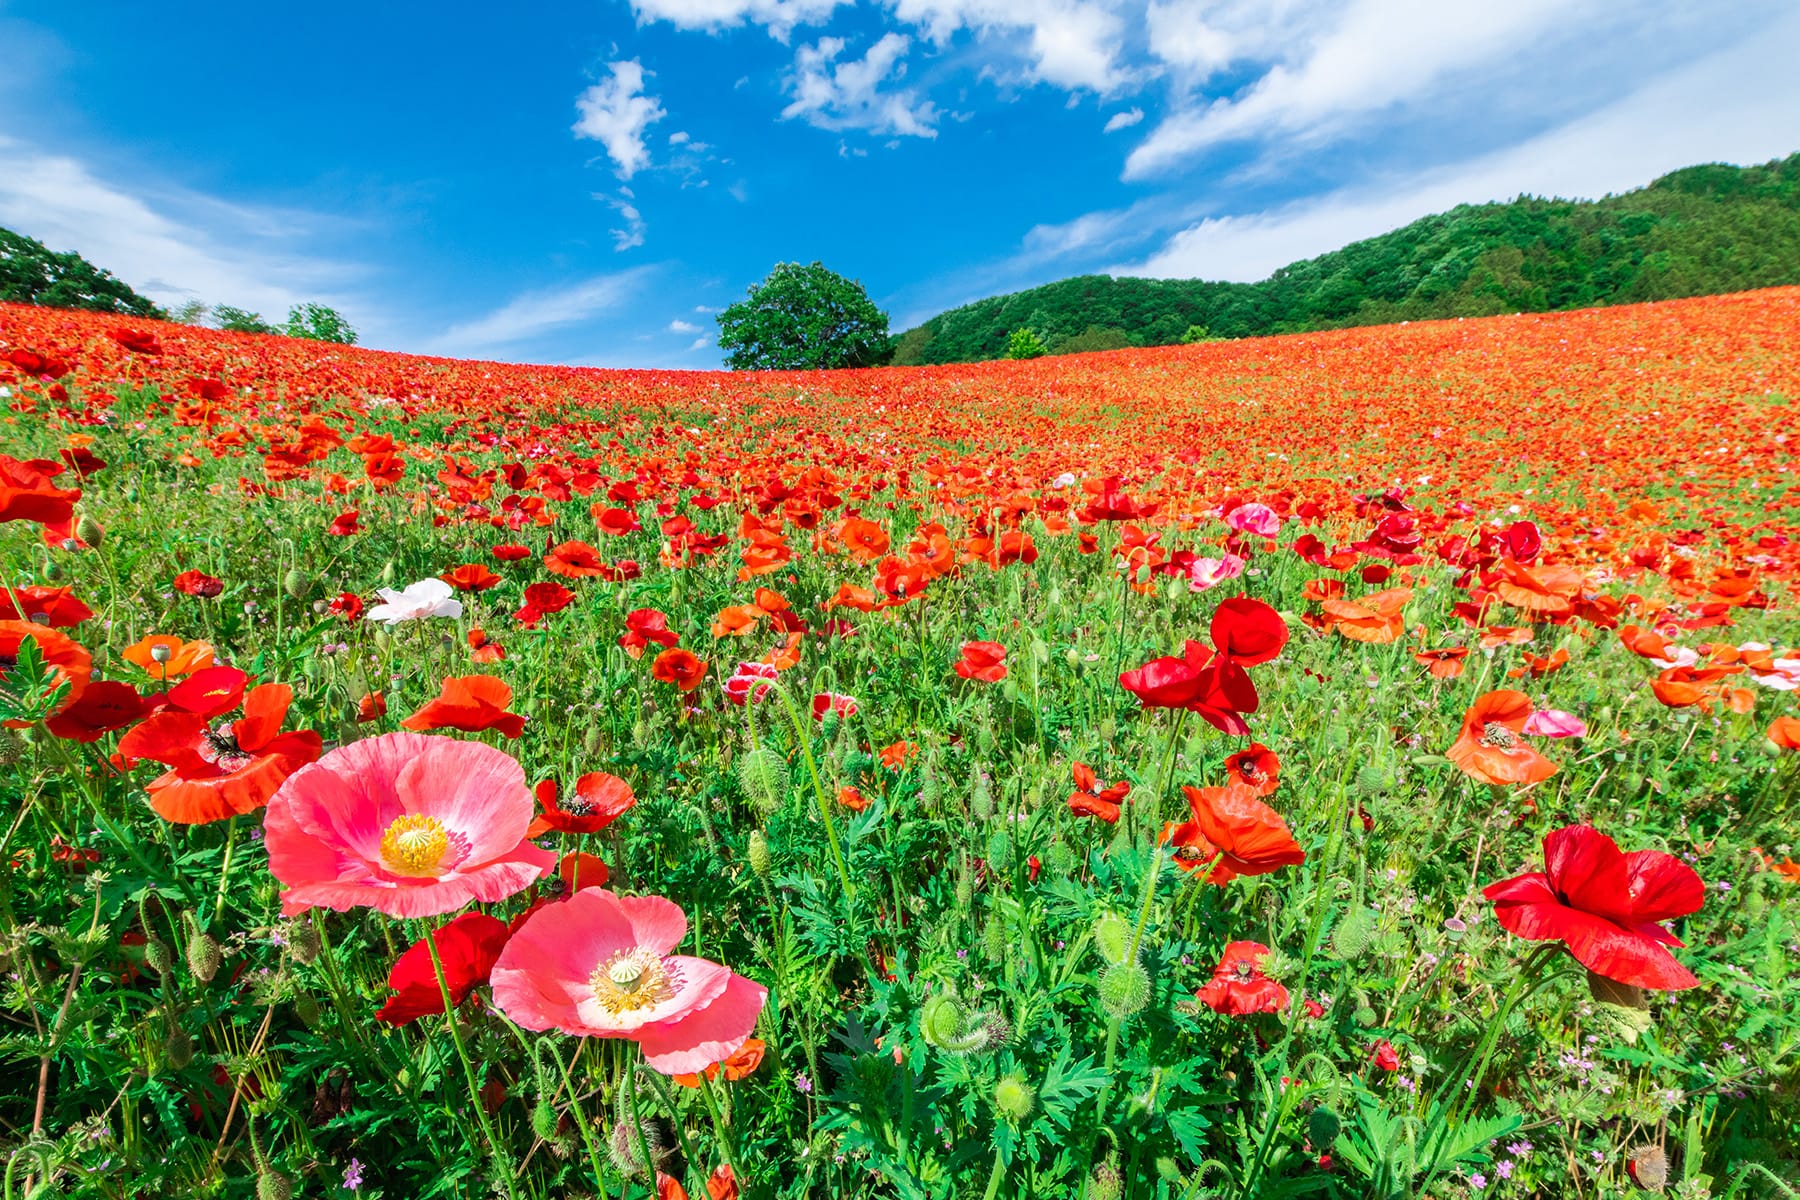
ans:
(1068, 43)
(1737, 105)
(174, 245)
(625, 204)
(534, 313)
(680, 326)
(847, 95)
(615, 112)
(779, 16)
(1124, 120)
(700, 343)
(1380, 52)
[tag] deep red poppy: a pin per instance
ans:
(105, 705)
(56, 605)
(468, 947)
(219, 770)
(597, 801)
(1238, 987)
(68, 661)
(984, 661)
(345, 524)
(510, 553)
(199, 584)
(679, 667)
(645, 627)
(28, 493)
(470, 577)
(1605, 905)
(471, 703)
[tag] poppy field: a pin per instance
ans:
(1354, 764)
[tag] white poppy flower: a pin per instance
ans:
(426, 598)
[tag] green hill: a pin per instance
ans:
(1699, 231)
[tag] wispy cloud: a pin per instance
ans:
(533, 314)
(838, 93)
(615, 112)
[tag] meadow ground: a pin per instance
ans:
(1356, 764)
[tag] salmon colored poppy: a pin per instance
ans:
(679, 667)
(737, 621)
(219, 769)
(1785, 733)
(598, 799)
(165, 657)
(895, 757)
(983, 661)
(1234, 832)
(849, 596)
(1543, 589)
(67, 660)
(741, 1065)
(471, 703)
(1376, 619)
(1606, 906)
(852, 799)
(1488, 748)
(1443, 664)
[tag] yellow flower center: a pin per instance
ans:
(633, 979)
(414, 845)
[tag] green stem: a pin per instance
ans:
(231, 830)
(508, 1170)
(724, 1132)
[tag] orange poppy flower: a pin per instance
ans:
(894, 757)
(1545, 588)
(471, 703)
(1378, 618)
(68, 660)
(786, 656)
(1256, 767)
(1235, 832)
(1504, 635)
(865, 540)
(742, 1063)
(737, 621)
(165, 657)
(470, 577)
(574, 560)
(1539, 665)
(1785, 733)
(220, 770)
(858, 598)
(679, 667)
(852, 799)
(1444, 664)
(1488, 748)
(579, 869)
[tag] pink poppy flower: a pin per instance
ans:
(600, 965)
(1207, 573)
(1259, 519)
(1554, 723)
(405, 823)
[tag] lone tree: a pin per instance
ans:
(804, 318)
(32, 273)
(318, 322)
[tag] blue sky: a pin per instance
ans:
(589, 182)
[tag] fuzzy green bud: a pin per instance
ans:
(544, 1119)
(981, 797)
(590, 741)
(999, 850)
(203, 956)
(763, 777)
(1355, 930)
(303, 942)
(178, 1048)
(1106, 1183)
(941, 1021)
(994, 940)
(307, 1009)
(273, 1185)
(52, 570)
(1322, 1129)
(1014, 1098)
(757, 851)
(157, 956)
(1124, 990)
(89, 531)
(622, 1147)
(1371, 780)
(1060, 858)
(1112, 937)
(389, 573)
(296, 583)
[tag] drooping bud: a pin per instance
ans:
(544, 1119)
(590, 741)
(89, 531)
(941, 1021)
(1000, 850)
(1124, 989)
(1350, 940)
(307, 1009)
(389, 573)
(178, 1048)
(995, 941)
(202, 955)
(12, 748)
(622, 1147)
(273, 1185)
(52, 570)
(296, 583)
(158, 956)
(303, 942)
(1322, 1129)
(763, 776)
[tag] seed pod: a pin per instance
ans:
(763, 778)
(89, 531)
(1014, 1098)
(757, 851)
(1124, 990)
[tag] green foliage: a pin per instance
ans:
(318, 323)
(32, 273)
(1022, 344)
(1699, 231)
(237, 320)
(804, 318)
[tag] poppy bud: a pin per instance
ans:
(1112, 937)
(303, 942)
(131, 493)
(1371, 780)
(981, 800)
(158, 956)
(52, 570)
(296, 583)
(544, 1119)
(965, 888)
(307, 1009)
(1014, 1099)
(178, 1048)
(1350, 940)
(994, 939)
(89, 531)
(202, 956)
(763, 778)
(622, 1148)
(941, 1021)
(389, 573)
(757, 851)
(1364, 1016)
(1322, 1129)
(272, 1185)
(1000, 850)
(1106, 1184)
(1060, 858)
(931, 788)
(590, 741)
(1124, 990)
(1648, 1167)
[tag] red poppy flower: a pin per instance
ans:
(198, 583)
(372, 707)
(542, 599)
(574, 560)
(617, 521)
(1092, 800)
(1256, 767)
(1489, 749)
(1185, 682)
(345, 524)
(985, 661)
(470, 577)
(510, 553)
(27, 494)
(1383, 1055)
(894, 757)
(348, 605)
(219, 770)
(1235, 832)
(1238, 987)
(105, 705)
(483, 649)
(471, 703)
(1606, 906)
(1443, 664)
(679, 667)
(598, 800)
(832, 702)
(138, 341)
(852, 799)
(57, 606)
(645, 627)
(68, 662)
(468, 947)
(579, 869)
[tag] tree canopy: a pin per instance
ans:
(32, 273)
(804, 318)
(1698, 231)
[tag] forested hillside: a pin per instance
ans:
(1700, 231)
